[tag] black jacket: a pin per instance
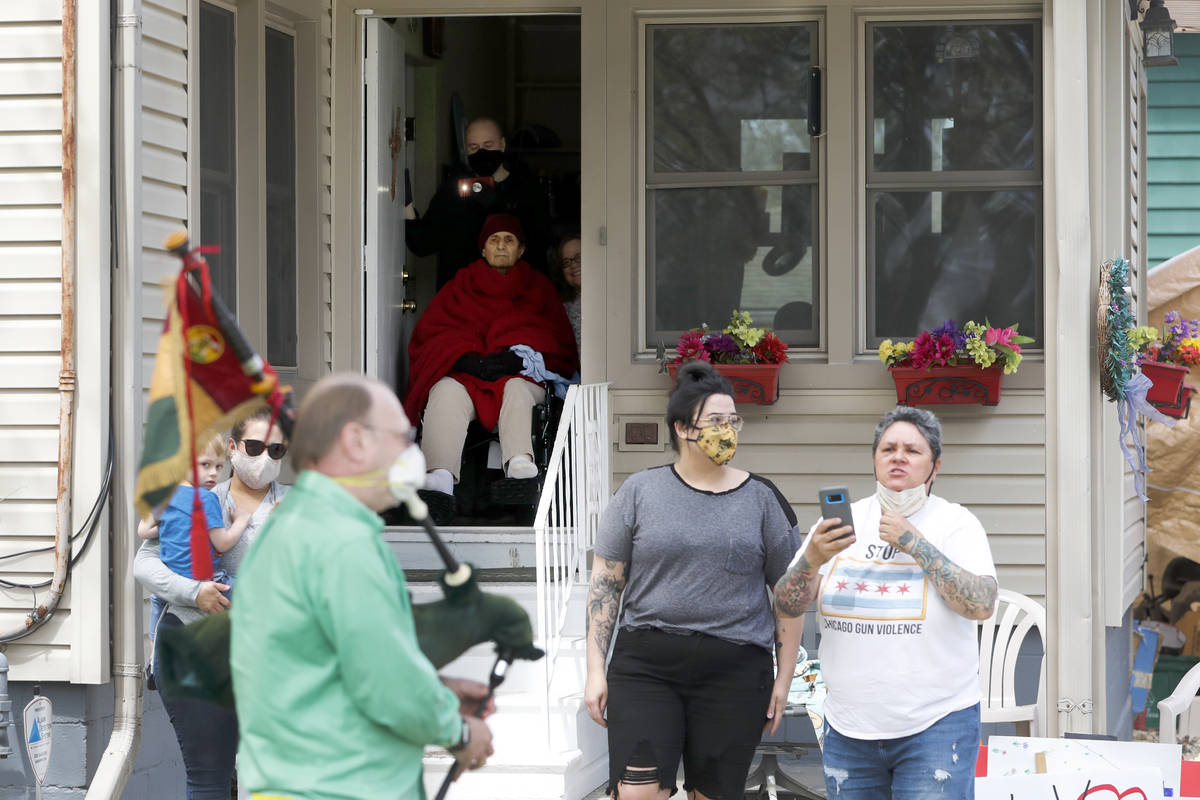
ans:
(451, 226)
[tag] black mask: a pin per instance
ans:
(485, 162)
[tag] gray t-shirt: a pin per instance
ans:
(699, 562)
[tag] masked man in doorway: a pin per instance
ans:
(495, 324)
(494, 184)
(334, 698)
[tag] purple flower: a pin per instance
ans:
(950, 328)
(720, 344)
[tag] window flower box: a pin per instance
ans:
(947, 385)
(950, 365)
(1168, 382)
(752, 383)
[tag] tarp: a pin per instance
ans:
(1173, 513)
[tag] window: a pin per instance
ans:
(730, 178)
(218, 159)
(954, 176)
(280, 113)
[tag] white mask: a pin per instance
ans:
(404, 477)
(407, 474)
(257, 472)
(905, 502)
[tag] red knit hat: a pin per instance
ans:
(496, 223)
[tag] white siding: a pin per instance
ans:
(164, 155)
(30, 325)
(994, 460)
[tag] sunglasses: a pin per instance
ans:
(254, 448)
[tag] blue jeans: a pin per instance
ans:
(208, 740)
(938, 762)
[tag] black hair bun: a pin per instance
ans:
(695, 371)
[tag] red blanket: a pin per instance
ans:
(483, 311)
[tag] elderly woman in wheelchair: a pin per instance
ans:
(481, 350)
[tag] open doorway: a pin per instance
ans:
(425, 79)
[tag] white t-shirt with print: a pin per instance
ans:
(894, 656)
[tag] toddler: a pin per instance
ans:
(174, 527)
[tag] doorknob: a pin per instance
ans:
(408, 305)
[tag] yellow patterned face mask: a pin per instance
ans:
(718, 442)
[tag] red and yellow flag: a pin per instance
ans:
(206, 378)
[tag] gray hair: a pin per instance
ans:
(925, 422)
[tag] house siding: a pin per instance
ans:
(994, 460)
(1173, 153)
(30, 324)
(165, 168)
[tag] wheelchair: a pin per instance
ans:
(483, 495)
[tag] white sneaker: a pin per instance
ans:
(440, 480)
(521, 468)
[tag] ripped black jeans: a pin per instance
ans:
(691, 696)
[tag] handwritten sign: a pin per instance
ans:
(1126, 784)
(1010, 756)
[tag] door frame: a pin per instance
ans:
(348, 306)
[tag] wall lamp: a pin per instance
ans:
(1158, 39)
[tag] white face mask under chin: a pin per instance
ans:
(257, 472)
(905, 502)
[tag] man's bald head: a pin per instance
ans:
(484, 133)
(333, 401)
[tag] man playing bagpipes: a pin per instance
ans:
(332, 667)
(334, 696)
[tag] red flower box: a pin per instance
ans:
(1168, 382)
(752, 383)
(1178, 410)
(962, 384)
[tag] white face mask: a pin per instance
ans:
(257, 472)
(407, 474)
(905, 502)
(404, 477)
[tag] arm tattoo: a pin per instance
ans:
(604, 598)
(973, 596)
(794, 592)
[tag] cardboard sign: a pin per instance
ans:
(39, 715)
(1133, 784)
(1010, 756)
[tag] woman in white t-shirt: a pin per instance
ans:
(897, 603)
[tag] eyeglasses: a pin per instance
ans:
(409, 435)
(732, 420)
(254, 448)
(576, 260)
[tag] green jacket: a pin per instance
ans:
(334, 698)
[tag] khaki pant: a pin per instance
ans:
(449, 410)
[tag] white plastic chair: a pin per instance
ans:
(1178, 705)
(1000, 639)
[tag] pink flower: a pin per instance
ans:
(691, 346)
(1002, 336)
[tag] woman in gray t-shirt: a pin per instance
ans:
(692, 549)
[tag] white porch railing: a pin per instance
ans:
(575, 491)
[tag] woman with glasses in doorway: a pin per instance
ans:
(568, 266)
(691, 548)
(208, 734)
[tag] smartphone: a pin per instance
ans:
(835, 502)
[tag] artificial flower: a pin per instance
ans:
(949, 345)
(739, 343)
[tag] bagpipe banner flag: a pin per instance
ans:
(206, 378)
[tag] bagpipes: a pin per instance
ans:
(207, 376)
